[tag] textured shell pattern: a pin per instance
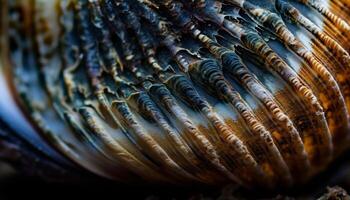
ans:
(254, 92)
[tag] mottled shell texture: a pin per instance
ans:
(253, 92)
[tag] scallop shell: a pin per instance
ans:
(172, 91)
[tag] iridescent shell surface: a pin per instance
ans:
(254, 92)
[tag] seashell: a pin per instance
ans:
(171, 91)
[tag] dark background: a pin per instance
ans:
(16, 186)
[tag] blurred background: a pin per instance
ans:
(18, 186)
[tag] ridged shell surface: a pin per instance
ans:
(254, 92)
